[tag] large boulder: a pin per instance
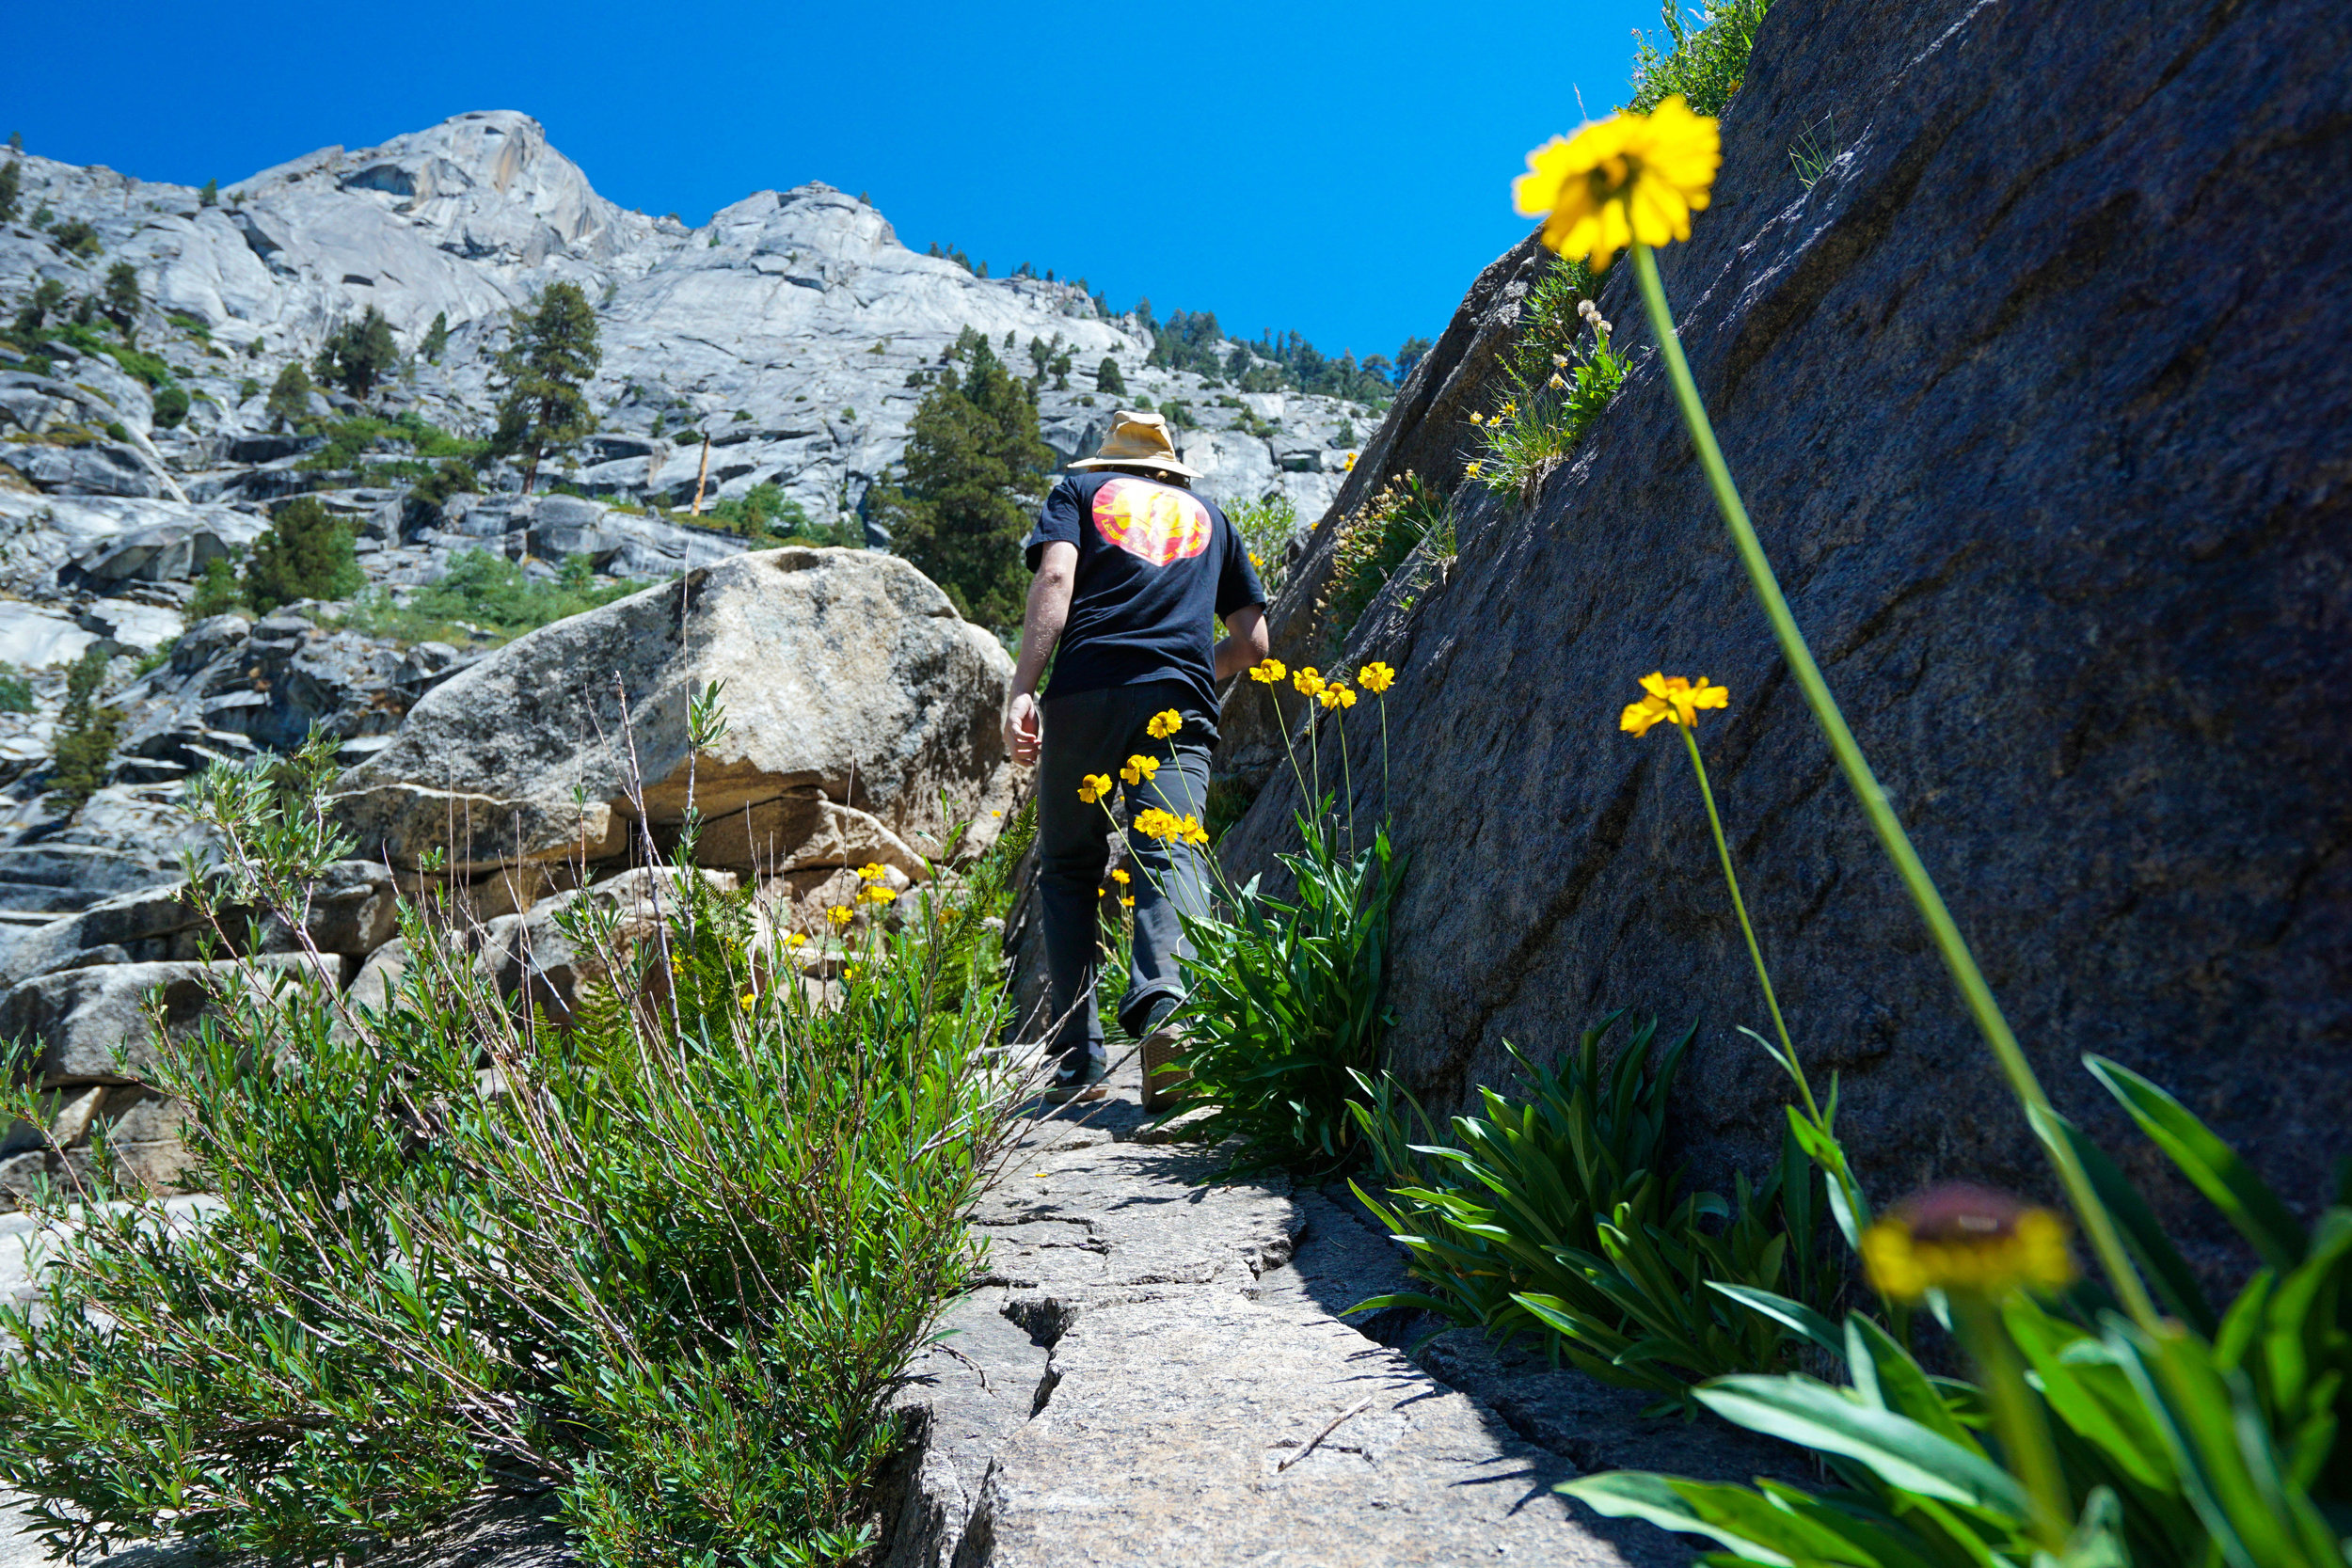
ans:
(843, 673)
(2059, 499)
(91, 1026)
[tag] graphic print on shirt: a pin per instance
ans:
(1151, 521)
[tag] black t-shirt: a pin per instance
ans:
(1156, 565)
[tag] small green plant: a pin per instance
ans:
(16, 692)
(1810, 155)
(172, 407)
(12, 181)
(1107, 379)
(1557, 1215)
(1375, 540)
(74, 237)
(247, 389)
(209, 195)
(1267, 527)
(88, 731)
(288, 402)
(1287, 1005)
(304, 553)
(483, 598)
(436, 337)
(1559, 385)
(358, 354)
(217, 590)
(1707, 60)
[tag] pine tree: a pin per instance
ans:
(542, 377)
(303, 554)
(209, 195)
(122, 300)
(10, 181)
(1107, 379)
(88, 732)
(360, 354)
(436, 337)
(47, 296)
(974, 468)
(290, 395)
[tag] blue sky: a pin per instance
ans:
(1340, 170)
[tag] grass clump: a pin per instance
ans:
(1559, 381)
(1559, 1215)
(1706, 58)
(656, 1270)
(1375, 540)
(348, 440)
(483, 598)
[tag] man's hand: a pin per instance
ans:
(1024, 729)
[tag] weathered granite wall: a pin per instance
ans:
(2040, 400)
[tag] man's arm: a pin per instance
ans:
(1041, 628)
(1244, 642)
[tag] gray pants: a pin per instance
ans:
(1095, 732)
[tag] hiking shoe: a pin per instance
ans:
(1077, 1078)
(1163, 1081)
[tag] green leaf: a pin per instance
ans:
(1899, 1450)
(2228, 1181)
(2169, 1272)
(1795, 1314)
(1660, 1500)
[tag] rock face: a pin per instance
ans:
(2075, 569)
(845, 675)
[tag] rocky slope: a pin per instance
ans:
(2060, 502)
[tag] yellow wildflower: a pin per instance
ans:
(1255, 561)
(1349, 467)
(677, 963)
(1336, 695)
(1093, 787)
(1471, 472)
(794, 942)
(870, 873)
(1139, 769)
(1968, 1240)
(1121, 877)
(841, 915)
(1672, 698)
(1191, 830)
(1167, 722)
(1127, 903)
(1308, 681)
(1268, 671)
(1559, 361)
(1556, 383)
(1476, 418)
(875, 893)
(1629, 179)
(1374, 677)
(750, 1000)
(849, 972)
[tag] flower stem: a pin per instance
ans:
(1740, 908)
(2017, 1418)
(2097, 1223)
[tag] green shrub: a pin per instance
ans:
(304, 553)
(1557, 1215)
(1707, 61)
(124, 299)
(360, 354)
(1107, 379)
(348, 440)
(246, 388)
(16, 692)
(209, 195)
(484, 598)
(288, 402)
(1375, 540)
(217, 590)
(138, 362)
(1267, 527)
(12, 181)
(659, 1271)
(87, 732)
(172, 407)
(47, 296)
(765, 517)
(1285, 1005)
(76, 238)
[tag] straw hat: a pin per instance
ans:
(1138, 441)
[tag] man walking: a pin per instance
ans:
(1133, 571)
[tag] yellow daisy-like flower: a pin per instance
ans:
(794, 942)
(1336, 695)
(1267, 671)
(1191, 831)
(1471, 472)
(875, 893)
(1167, 721)
(1374, 677)
(1672, 698)
(870, 873)
(1629, 179)
(1308, 681)
(1349, 467)
(1152, 822)
(1093, 787)
(841, 915)
(1139, 769)
(1127, 903)
(1555, 383)
(1967, 1240)
(1121, 877)
(849, 972)
(750, 1000)
(677, 963)
(1476, 418)
(1255, 561)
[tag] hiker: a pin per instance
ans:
(1133, 571)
